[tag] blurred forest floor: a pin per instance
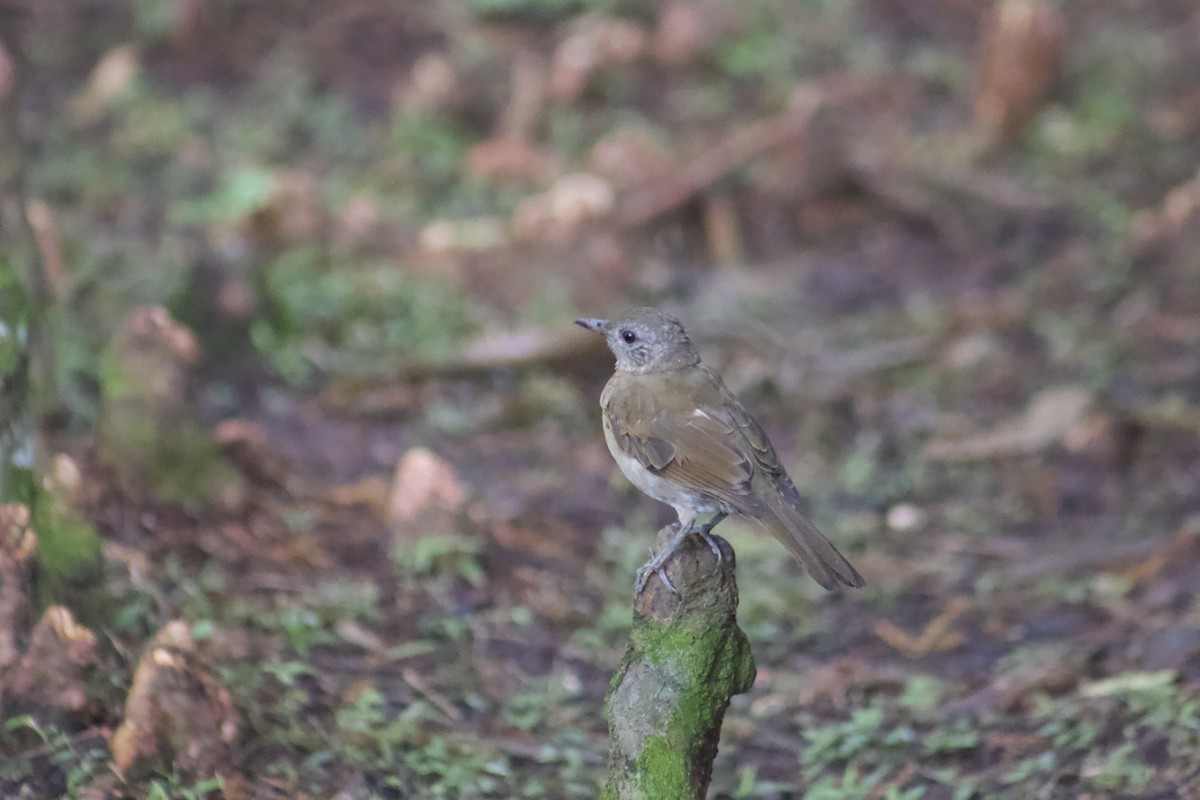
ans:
(311, 270)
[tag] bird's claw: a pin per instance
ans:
(712, 543)
(643, 576)
(639, 583)
(705, 533)
(657, 563)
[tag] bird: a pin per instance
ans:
(681, 436)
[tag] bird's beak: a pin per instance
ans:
(592, 324)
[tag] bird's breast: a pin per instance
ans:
(653, 484)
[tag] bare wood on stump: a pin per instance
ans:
(686, 658)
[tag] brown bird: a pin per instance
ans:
(680, 436)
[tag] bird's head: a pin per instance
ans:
(645, 340)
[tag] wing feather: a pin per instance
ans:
(703, 448)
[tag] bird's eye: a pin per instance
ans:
(629, 336)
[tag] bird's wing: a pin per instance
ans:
(702, 448)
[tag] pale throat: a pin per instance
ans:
(667, 362)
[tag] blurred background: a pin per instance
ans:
(306, 493)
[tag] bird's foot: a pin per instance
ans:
(657, 562)
(712, 543)
(705, 533)
(643, 575)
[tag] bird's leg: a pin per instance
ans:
(705, 533)
(682, 530)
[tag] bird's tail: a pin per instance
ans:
(787, 523)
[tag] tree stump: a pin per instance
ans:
(686, 658)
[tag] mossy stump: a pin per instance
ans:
(686, 658)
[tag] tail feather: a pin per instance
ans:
(808, 545)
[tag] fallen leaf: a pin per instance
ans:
(7, 73)
(292, 211)
(109, 77)
(1128, 683)
(509, 158)
(936, 637)
(358, 219)
(45, 233)
(1021, 65)
(422, 482)
(631, 157)
(444, 236)
(433, 84)
(556, 214)
(596, 43)
(371, 492)
(1178, 211)
(1051, 416)
(684, 31)
(246, 445)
